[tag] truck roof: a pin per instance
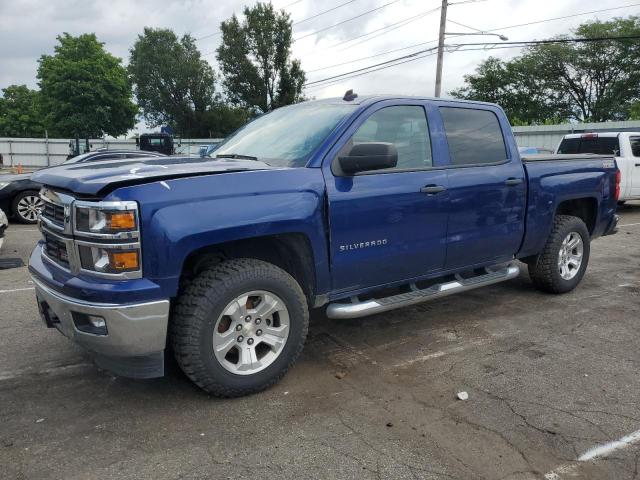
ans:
(599, 134)
(368, 99)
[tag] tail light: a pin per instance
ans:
(618, 178)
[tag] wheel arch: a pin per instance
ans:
(585, 208)
(290, 251)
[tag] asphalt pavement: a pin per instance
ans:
(552, 381)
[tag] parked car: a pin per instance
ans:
(117, 154)
(19, 197)
(208, 149)
(157, 142)
(4, 223)
(534, 150)
(355, 205)
(19, 193)
(624, 145)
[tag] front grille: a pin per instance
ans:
(53, 213)
(56, 250)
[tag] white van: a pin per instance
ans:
(624, 145)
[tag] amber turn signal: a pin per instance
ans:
(124, 260)
(125, 220)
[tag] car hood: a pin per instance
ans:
(15, 177)
(99, 178)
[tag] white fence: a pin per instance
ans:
(549, 136)
(43, 152)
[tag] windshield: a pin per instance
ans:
(287, 136)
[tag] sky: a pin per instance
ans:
(28, 29)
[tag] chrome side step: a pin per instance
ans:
(356, 309)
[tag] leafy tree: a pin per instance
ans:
(514, 86)
(255, 59)
(84, 89)
(20, 113)
(174, 85)
(591, 81)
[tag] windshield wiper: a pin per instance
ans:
(237, 156)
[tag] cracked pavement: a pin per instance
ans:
(548, 377)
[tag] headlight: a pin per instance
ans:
(4, 184)
(104, 259)
(102, 220)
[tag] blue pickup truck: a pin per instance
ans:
(356, 205)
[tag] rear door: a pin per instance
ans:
(487, 188)
(387, 225)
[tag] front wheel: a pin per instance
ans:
(27, 206)
(562, 263)
(239, 326)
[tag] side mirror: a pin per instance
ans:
(369, 156)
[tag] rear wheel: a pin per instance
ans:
(239, 326)
(562, 263)
(27, 206)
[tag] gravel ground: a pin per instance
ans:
(548, 378)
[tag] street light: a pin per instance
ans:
(443, 23)
(501, 37)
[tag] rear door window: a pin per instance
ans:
(474, 136)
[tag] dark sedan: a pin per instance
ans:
(20, 197)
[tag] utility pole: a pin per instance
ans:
(443, 22)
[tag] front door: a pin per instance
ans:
(385, 225)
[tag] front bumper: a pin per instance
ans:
(135, 337)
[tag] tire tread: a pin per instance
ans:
(190, 313)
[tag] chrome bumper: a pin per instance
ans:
(132, 330)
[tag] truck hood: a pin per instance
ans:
(99, 178)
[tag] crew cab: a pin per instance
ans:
(355, 205)
(625, 146)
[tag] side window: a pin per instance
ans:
(635, 146)
(474, 136)
(406, 127)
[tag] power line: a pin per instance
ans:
(334, 82)
(290, 4)
(345, 21)
(407, 20)
(370, 66)
(458, 23)
(414, 55)
(322, 13)
(413, 19)
(370, 56)
(535, 22)
(214, 34)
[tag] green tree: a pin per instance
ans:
(515, 87)
(20, 112)
(175, 86)
(85, 90)
(590, 81)
(255, 59)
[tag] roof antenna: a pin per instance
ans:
(349, 96)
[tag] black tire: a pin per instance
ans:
(202, 302)
(543, 268)
(15, 212)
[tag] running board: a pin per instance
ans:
(357, 309)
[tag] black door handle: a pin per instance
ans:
(513, 181)
(432, 189)
(637, 164)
